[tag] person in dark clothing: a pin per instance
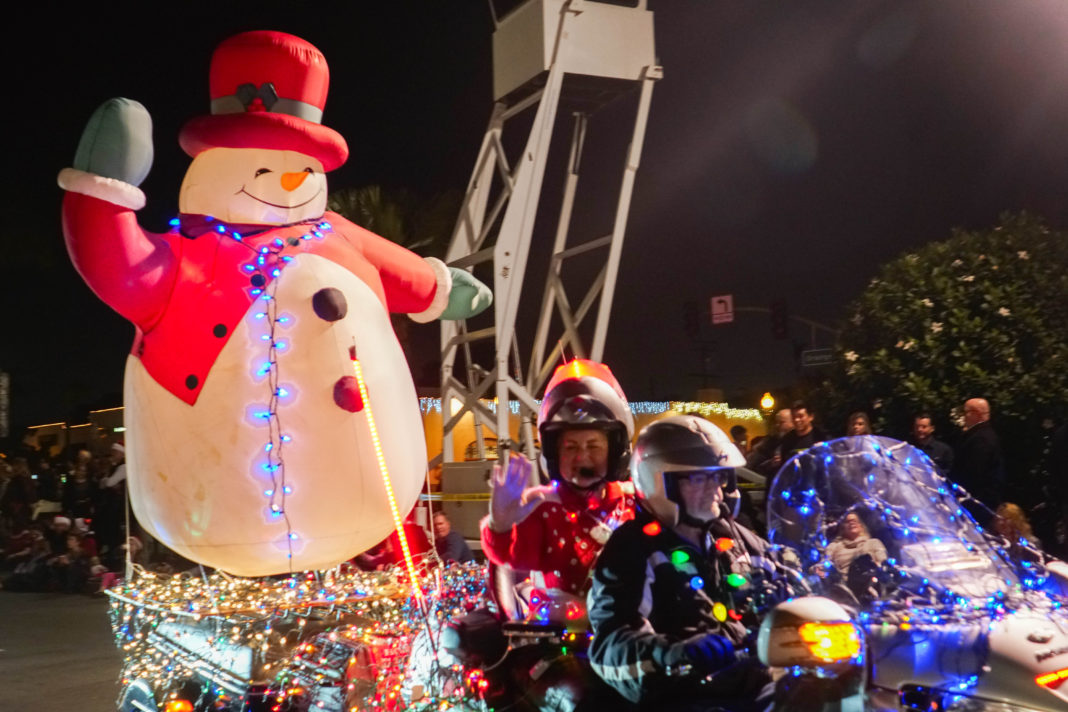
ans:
(1058, 460)
(765, 458)
(1057, 467)
(666, 605)
(740, 438)
(49, 500)
(32, 573)
(16, 504)
(804, 435)
(923, 438)
(111, 501)
(450, 544)
(79, 492)
(978, 465)
(70, 570)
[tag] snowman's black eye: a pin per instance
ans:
(261, 171)
(308, 170)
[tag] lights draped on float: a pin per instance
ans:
(294, 629)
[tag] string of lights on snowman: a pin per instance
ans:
(928, 604)
(263, 268)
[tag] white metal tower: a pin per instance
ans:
(547, 54)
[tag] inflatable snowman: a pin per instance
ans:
(272, 424)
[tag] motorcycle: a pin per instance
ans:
(527, 650)
(911, 604)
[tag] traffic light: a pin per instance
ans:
(780, 320)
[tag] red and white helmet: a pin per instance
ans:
(584, 394)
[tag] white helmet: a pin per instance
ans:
(678, 445)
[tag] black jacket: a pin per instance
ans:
(793, 443)
(940, 453)
(978, 465)
(646, 608)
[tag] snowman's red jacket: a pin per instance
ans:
(186, 295)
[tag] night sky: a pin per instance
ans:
(791, 149)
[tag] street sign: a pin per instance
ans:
(817, 357)
(723, 309)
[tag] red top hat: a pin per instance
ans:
(268, 90)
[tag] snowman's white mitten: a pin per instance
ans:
(117, 142)
(467, 297)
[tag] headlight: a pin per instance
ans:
(810, 632)
(831, 642)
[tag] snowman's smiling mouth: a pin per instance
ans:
(276, 205)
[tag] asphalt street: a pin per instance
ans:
(56, 654)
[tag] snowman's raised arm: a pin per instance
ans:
(413, 285)
(130, 269)
(425, 288)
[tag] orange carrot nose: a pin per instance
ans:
(292, 181)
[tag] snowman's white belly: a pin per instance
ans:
(197, 479)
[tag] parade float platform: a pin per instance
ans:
(337, 641)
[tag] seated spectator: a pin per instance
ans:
(81, 527)
(32, 573)
(19, 547)
(1012, 524)
(70, 570)
(450, 544)
(389, 551)
(56, 534)
(853, 541)
(377, 558)
(122, 559)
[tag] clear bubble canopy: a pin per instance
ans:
(934, 547)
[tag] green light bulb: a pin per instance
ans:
(679, 557)
(736, 580)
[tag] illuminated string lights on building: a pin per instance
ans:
(705, 410)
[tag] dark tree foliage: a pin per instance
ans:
(982, 314)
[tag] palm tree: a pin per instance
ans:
(423, 226)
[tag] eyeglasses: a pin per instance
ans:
(697, 477)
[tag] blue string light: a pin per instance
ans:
(264, 269)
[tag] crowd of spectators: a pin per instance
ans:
(975, 462)
(65, 527)
(63, 522)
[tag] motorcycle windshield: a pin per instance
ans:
(869, 496)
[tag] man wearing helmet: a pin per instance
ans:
(668, 602)
(557, 530)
